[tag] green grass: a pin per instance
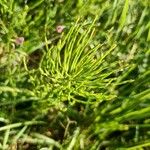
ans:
(85, 88)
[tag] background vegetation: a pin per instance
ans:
(74, 74)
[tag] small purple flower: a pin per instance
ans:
(60, 28)
(19, 40)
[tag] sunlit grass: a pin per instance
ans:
(84, 87)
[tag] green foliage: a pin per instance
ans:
(84, 88)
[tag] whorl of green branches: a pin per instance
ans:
(73, 68)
